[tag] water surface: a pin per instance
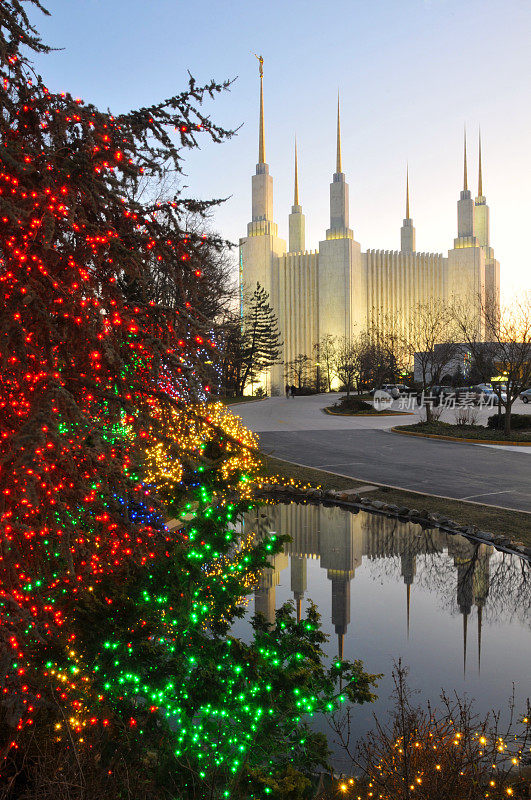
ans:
(456, 612)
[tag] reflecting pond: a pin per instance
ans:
(458, 613)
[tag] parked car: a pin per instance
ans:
(435, 395)
(403, 389)
(389, 388)
(486, 394)
(463, 393)
(525, 396)
(392, 390)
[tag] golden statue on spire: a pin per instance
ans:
(261, 64)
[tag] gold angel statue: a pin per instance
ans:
(261, 65)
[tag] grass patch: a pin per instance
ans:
(467, 432)
(515, 525)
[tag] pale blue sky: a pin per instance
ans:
(410, 73)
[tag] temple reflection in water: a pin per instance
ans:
(342, 540)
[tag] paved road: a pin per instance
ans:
(365, 448)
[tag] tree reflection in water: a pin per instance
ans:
(429, 558)
(444, 576)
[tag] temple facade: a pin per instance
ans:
(340, 290)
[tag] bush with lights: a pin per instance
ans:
(438, 752)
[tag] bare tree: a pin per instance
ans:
(387, 356)
(444, 753)
(508, 352)
(325, 354)
(298, 369)
(431, 342)
(347, 360)
(214, 263)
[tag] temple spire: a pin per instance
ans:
(481, 211)
(480, 176)
(297, 222)
(465, 179)
(465, 208)
(262, 183)
(261, 134)
(407, 191)
(338, 155)
(296, 188)
(339, 212)
(407, 232)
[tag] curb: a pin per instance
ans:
(422, 518)
(460, 439)
(369, 413)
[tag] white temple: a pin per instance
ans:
(338, 289)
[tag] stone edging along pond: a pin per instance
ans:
(350, 500)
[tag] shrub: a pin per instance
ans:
(353, 404)
(305, 391)
(519, 422)
(466, 415)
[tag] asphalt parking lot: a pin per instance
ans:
(364, 447)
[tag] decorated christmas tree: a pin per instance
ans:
(121, 567)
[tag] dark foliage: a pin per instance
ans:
(519, 422)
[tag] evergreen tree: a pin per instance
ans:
(261, 344)
(232, 366)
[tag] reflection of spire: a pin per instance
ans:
(340, 643)
(298, 582)
(408, 600)
(481, 589)
(264, 602)
(408, 568)
(465, 626)
(480, 615)
(341, 603)
(338, 154)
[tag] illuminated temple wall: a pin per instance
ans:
(297, 277)
(397, 282)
